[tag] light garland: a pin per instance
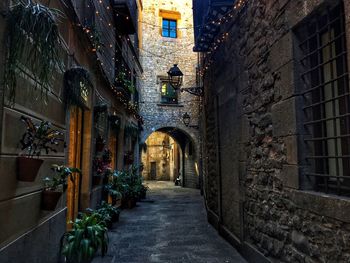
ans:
(107, 21)
(237, 7)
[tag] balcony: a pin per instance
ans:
(126, 16)
(205, 12)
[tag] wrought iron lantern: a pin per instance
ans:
(175, 77)
(186, 118)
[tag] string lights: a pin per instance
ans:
(105, 48)
(221, 38)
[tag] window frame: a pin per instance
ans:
(169, 29)
(162, 96)
(325, 91)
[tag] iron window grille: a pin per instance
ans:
(327, 101)
(168, 94)
(169, 28)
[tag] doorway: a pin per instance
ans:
(153, 173)
(74, 160)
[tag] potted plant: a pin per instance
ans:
(87, 237)
(143, 191)
(115, 186)
(109, 213)
(102, 167)
(55, 186)
(35, 140)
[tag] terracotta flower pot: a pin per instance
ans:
(28, 168)
(50, 199)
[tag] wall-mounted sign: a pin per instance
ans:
(78, 87)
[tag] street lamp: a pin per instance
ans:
(175, 77)
(186, 118)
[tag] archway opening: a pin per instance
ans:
(169, 155)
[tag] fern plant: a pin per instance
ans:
(89, 234)
(33, 42)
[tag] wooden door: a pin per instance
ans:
(74, 160)
(153, 171)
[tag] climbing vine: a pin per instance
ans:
(33, 42)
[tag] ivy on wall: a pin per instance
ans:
(33, 45)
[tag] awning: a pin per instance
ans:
(206, 15)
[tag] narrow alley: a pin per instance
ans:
(135, 131)
(169, 226)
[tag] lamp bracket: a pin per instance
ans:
(196, 91)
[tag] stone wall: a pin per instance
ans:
(253, 179)
(158, 54)
(163, 157)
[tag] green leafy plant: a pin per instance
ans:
(88, 235)
(143, 191)
(109, 212)
(96, 38)
(38, 138)
(116, 186)
(60, 179)
(33, 41)
(125, 82)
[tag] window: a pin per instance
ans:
(327, 100)
(169, 28)
(169, 94)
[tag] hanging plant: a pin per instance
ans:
(33, 42)
(96, 38)
(125, 82)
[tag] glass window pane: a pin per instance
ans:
(165, 32)
(173, 34)
(165, 23)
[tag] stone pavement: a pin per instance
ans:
(169, 226)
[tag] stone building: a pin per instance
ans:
(163, 154)
(276, 126)
(167, 39)
(87, 101)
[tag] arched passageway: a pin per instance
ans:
(170, 154)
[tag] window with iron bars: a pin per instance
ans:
(327, 100)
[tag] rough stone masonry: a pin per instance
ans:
(158, 54)
(254, 186)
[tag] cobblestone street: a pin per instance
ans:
(169, 226)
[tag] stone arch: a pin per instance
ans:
(186, 131)
(184, 137)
